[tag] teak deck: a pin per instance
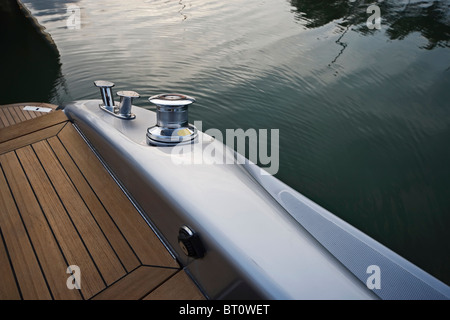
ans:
(60, 207)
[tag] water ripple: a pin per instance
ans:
(363, 115)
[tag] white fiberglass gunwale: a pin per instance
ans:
(258, 232)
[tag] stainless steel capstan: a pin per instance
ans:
(172, 126)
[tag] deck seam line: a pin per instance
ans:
(19, 113)
(162, 267)
(45, 217)
(130, 198)
(6, 121)
(161, 284)
(2, 123)
(26, 116)
(8, 113)
(65, 124)
(33, 141)
(87, 207)
(13, 109)
(70, 218)
(92, 189)
(116, 281)
(11, 265)
(13, 116)
(46, 126)
(28, 234)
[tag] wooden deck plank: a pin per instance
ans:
(29, 114)
(28, 139)
(26, 266)
(27, 127)
(8, 117)
(68, 210)
(17, 118)
(137, 284)
(14, 115)
(26, 114)
(145, 243)
(4, 118)
(118, 242)
(49, 254)
(8, 288)
(98, 246)
(36, 114)
(2, 124)
(178, 287)
(18, 112)
(72, 246)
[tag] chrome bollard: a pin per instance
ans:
(106, 93)
(126, 101)
(123, 111)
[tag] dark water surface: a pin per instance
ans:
(364, 115)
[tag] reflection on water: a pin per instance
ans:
(363, 114)
(400, 18)
(30, 65)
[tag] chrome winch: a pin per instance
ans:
(172, 125)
